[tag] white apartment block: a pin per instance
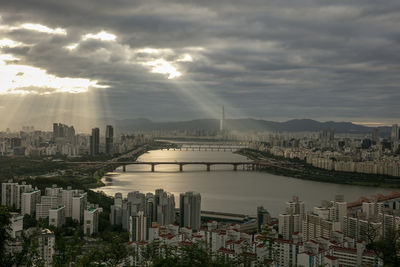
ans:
(91, 221)
(57, 216)
(9, 194)
(16, 226)
(78, 206)
(289, 224)
(29, 201)
(46, 203)
(46, 243)
(67, 199)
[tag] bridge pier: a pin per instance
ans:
(123, 168)
(208, 167)
(235, 167)
(152, 167)
(181, 167)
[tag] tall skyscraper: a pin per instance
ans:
(395, 132)
(291, 221)
(139, 227)
(190, 207)
(65, 132)
(95, 142)
(109, 139)
(164, 208)
(263, 217)
(375, 135)
(222, 122)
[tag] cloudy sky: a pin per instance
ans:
(174, 60)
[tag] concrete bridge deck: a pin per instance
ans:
(248, 165)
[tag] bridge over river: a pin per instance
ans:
(246, 165)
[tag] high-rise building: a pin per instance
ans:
(263, 217)
(109, 140)
(95, 142)
(29, 201)
(190, 207)
(91, 221)
(21, 188)
(290, 222)
(222, 121)
(139, 227)
(164, 209)
(395, 132)
(116, 210)
(9, 194)
(79, 203)
(68, 196)
(375, 135)
(46, 203)
(16, 224)
(63, 132)
(57, 216)
(46, 243)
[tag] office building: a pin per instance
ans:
(394, 135)
(95, 142)
(109, 140)
(190, 207)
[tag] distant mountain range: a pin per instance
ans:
(244, 125)
(83, 124)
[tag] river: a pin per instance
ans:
(223, 189)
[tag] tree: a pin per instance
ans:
(5, 258)
(387, 248)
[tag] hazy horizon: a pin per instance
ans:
(178, 60)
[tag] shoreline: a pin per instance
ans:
(300, 170)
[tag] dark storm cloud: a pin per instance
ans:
(269, 59)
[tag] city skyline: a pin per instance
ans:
(180, 61)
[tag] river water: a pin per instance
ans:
(223, 189)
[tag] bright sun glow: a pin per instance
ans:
(9, 43)
(44, 29)
(163, 67)
(71, 46)
(102, 36)
(186, 58)
(23, 79)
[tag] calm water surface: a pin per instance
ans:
(223, 189)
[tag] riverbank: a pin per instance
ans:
(299, 169)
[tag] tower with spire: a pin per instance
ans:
(221, 125)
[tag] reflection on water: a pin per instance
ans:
(223, 189)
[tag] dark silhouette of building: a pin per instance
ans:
(95, 142)
(63, 132)
(109, 140)
(263, 217)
